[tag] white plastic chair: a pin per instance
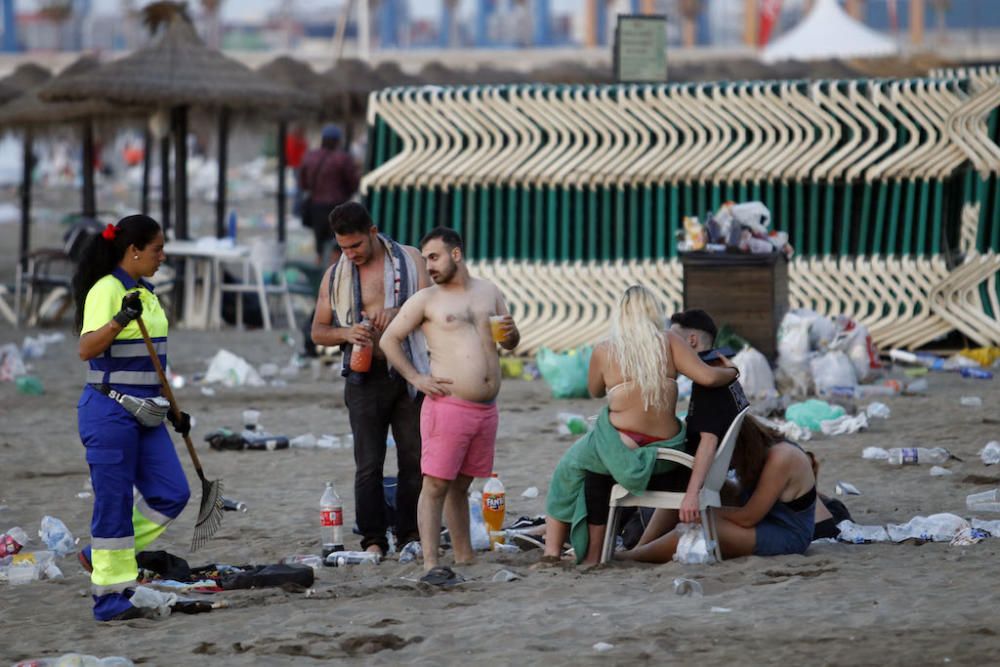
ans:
(265, 258)
(709, 498)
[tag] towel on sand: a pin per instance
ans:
(602, 451)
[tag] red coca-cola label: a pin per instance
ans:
(331, 517)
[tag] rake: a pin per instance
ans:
(210, 512)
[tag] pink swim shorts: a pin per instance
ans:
(458, 437)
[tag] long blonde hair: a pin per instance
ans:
(637, 346)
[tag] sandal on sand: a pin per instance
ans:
(526, 542)
(441, 576)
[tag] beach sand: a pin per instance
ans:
(838, 604)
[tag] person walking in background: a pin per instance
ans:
(328, 177)
(458, 421)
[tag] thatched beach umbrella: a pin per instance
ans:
(348, 85)
(29, 113)
(296, 74)
(435, 73)
(390, 74)
(21, 80)
(175, 72)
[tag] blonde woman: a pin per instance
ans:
(636, 368)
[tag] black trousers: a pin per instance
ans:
(380, 402)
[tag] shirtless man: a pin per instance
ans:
(358, 298)
(458, 421)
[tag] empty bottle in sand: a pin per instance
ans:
(494, 508)
(331, 517)
(912, 455)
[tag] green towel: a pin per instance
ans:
(602, 451)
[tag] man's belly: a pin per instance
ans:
(472, 366)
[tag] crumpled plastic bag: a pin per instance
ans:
(790, 430)
(756, 376)
(752, 214)
(844, 425)
(809, 414)
(875, 454)
(793, 354)
(852, 338)
(832, 369)
(479, 534)
(877, 410)
(936, 528)
(566, 373)
(11, 363)
(854, 533)
(990, 454)
(693, 548)
(158, 601)
(232, 371)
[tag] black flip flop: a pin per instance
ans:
(442, 576)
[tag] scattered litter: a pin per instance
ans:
(809, 414)
(917, 455)
(854, 533)
(971, 401)
(991, 526)
(985, 501)
(602, 647)
(26, 567)
(720, 610)
(756, 376)
(968, 536)
(159, 602)
(917, 386)
(11, 363)
(984, 356)
(990, 453)
(410, 552)
(565, 372)
(687, 587)
(846, 488)
(12, 541)
(976, 373)
(877, 411)
(504, 576)
(77, 660)
(832, 369)
(934, 528)
(571, 423)
(232, 371)
(207, 391)
(327, 441)
(875, 454)
(790, 430)
(938, 471)
(344, 558)
(29, 385)
(692, 547)
(312, 560)
(305, 441)
(268, 370)
(56, 536)
(530, 492)
(178, 381)
(844, 424)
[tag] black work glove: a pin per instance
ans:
(131, 309)
(181, 424)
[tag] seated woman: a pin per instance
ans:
(778, 489)
(637, 369)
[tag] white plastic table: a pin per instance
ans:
(202, 270)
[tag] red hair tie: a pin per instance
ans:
(109, 233)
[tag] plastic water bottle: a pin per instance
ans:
(56, 536)
(342, 558)
(12, 541)
(331, 513)
(913, 455)
(977, 373)
(494, 508)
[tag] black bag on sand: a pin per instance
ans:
(165, 564)
(268, 576)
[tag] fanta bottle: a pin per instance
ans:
(494, 508)
(361, 355)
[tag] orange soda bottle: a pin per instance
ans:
(494, 508)
(361, 355)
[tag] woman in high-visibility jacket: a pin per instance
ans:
(110, 293)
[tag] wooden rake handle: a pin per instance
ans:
(169, 394)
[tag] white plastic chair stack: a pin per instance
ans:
(264, 263)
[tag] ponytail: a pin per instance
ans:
(105, 251)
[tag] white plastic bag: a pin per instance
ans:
(692, 548)
(752, 214)
(147, 598)
(853, 339)
(844, 424)
(56, 536)
(936, 527)
(832, 369)
(857, 534)
(755, 374)
(479, 534)
(232, 371)
(990, 454)
(793, 355)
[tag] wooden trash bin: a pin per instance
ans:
(747, 292)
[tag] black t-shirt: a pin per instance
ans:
(712, 410)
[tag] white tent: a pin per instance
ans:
(828, 32)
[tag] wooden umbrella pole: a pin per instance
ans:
(179, 118)
(147, 160)
(282, 166)
(220, 198)
(27, 168)
(87, 168)
(165, 182)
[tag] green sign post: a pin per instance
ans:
(641, 49)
